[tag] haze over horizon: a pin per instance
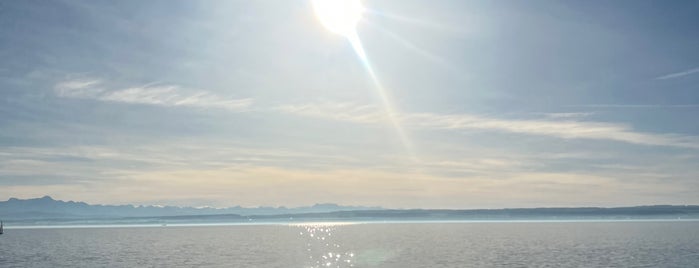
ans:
(324, 205)
(480, 104)
(51, 199)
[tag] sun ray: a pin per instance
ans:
(417, 22)
(412, 46)
(388, 107)
(341, 17)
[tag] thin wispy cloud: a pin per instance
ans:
(79, 88)
(150, 94)
(298, 187)
(170, 95)
(651, 106)
(566, 115)
(343, 111)
(559, 128)
(679, 74)
(565, 129)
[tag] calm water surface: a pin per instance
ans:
(564, 244)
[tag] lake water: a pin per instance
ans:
(480, 244)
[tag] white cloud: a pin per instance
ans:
(170, 95)
(561, 129)
(79, 88)
(566, 129)
(162, 95)
(650, 106)
(343, 111)
(679, 74)
(273, 186)
(230, 174)
(566, 115)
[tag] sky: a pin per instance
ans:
(491, 104)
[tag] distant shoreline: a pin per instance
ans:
(330, 222)
(46, 212)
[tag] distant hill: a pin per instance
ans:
(49, 208)
(47, 211)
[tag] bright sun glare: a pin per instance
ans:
(339, 16)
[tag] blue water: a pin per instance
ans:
(457, 244)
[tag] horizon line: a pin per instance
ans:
(368, 207)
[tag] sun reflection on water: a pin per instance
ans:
(323, 250)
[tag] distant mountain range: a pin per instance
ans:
(49, 208)
(47, 211)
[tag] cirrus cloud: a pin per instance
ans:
(566, 129)
(149, 94)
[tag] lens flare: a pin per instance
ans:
(389, 109)
(341, 17)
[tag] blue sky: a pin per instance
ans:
(503, 103)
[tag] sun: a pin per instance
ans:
(339, 16)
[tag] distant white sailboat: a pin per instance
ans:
(1, 227)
